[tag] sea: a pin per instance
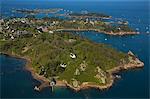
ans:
(16, 82)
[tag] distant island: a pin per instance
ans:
(36, 11)
(89, 15)
(57, 57)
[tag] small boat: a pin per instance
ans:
(118, 76)
(147, 32)
(147, 28)
(36, 88)
(105, 39)
(137, 29)
(139, 20)
(124, 45)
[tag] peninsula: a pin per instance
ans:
(59, 58)
(51, 24)
(89, 15)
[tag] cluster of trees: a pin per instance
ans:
(117, 28)
(90, 15)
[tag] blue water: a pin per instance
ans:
(18, 83)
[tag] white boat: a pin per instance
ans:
(36, 88)
(118, 76)
(105, 39)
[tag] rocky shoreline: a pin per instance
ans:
(122, 33)
(45, 82)
(137, 64)
(84, 17)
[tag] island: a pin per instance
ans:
(89, 15)
(57, 57)
(37, 11)
(51, 24)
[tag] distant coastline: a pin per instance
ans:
(99, 31)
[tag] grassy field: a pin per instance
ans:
(48, 51)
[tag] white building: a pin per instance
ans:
(73, 56)
(51, 32)
(63, 65)
(12, 37)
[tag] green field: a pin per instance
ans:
(48, 51)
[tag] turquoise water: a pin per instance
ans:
(18, 83)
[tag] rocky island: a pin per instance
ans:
(36, 11)
(57, 57)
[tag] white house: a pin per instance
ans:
(12, 37)
(63, 65)
(23, 21)
(51, 32)
(92, 22)
(73, 56)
